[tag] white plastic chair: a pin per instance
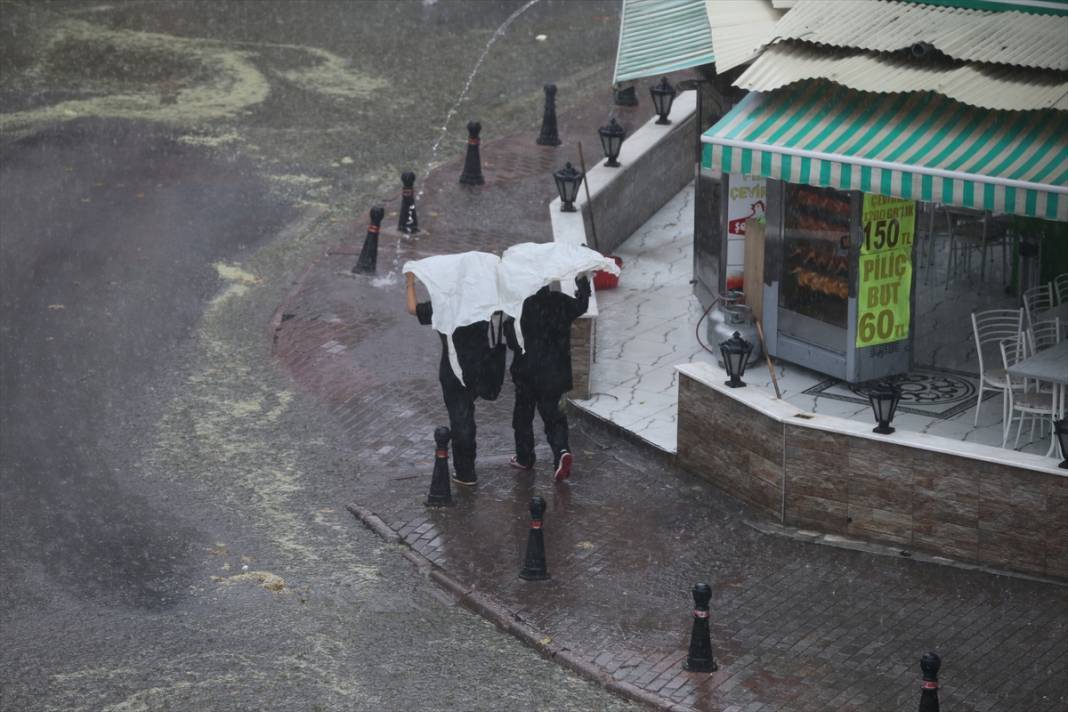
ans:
(991, 327)
(1042, 335)
(1060, 286)
(1036, 406)
(1037, 300)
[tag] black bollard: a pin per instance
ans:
(534, 568)
(929, 664)
(626, 96)
(472, 174)
(368, 261)
(440, 489)
(549, 135)
(700, 657)
(408, 221)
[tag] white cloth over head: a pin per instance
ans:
(527, 267)
(471, 286)
(463, 290)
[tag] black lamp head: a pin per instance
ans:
(735, 352)
(567, 185)
(612, 136)
(663, 96)
(1060, 427)
(884, 398)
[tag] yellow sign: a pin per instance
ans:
(885, 268)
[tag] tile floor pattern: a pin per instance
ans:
(648, 325)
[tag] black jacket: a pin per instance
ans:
(483, 373)
(545, 362)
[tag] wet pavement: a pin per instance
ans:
(795, 625)
(173, 528)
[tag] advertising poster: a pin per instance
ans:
(885, 270)
(746, 200)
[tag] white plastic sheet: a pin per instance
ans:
(469, 287)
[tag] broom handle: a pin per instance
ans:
(586, 184)
(767, 357)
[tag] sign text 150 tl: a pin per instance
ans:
(885, 270)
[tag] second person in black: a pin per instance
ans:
(541, 371)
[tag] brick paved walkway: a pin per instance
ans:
(795, 626)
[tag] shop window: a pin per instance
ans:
(815, 279)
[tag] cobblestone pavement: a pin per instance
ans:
(795, 626)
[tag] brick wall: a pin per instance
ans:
(837, 483)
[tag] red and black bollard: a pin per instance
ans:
(368, 261)
(472, 174)
(700, 657)
(408, 221)
(626, 96)
(549, 135)
(440, 489)
(929, 664)
(534, 567)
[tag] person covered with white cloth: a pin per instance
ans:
(472, 353)
(541, 372)
(541, 364)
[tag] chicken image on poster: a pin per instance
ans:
(745, 200)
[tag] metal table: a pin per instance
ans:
(1049, 366)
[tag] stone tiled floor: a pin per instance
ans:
(649, 324)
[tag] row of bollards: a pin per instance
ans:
(611, 138)
(699, 657)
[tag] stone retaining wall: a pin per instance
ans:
(949, 505)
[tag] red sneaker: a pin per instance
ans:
(519, 466)
(563, 470)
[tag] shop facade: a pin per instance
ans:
(844, 175)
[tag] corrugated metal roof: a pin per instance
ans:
(1018, 38)
(739, 29)
(917, 146)
(661, 36)
(990, 86)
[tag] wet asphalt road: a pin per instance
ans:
(173, 534)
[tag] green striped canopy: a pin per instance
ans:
(917, 146)
(662, 36)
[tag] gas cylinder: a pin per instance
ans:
(729, 316)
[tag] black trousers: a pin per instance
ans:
(461, 406)
(527, 398)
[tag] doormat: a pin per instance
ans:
(927, 391)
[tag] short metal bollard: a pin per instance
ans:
(534, 567)
(368, 261)
(929, 664)
(408, 221)
(700, 657)
(440, 490)
(549, 135)
(472, 174)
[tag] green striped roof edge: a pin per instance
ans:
(918, 146)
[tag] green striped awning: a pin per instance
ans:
(661, 36)
(917, 146)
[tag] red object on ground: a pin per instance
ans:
(606, 280)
